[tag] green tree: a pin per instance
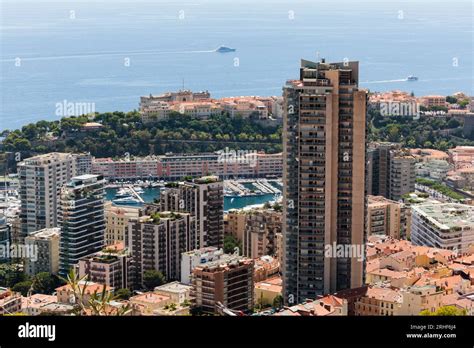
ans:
(46, 283)
(393, 133)
(11, 274)
(451, 100)
(23, 287)
(453, 123)
(152, 279)
(445, 311)
(230, 243)
(278, 302)
(123, 294)
(463, 103)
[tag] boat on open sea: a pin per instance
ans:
(412, 78)
(224, 49)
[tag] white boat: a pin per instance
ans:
(138, 189)
(224, 49)
(127, 201)
(122, 193)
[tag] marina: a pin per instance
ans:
(238, 194)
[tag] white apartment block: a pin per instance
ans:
(443, 225)
(41, 178)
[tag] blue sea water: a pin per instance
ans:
(77, 51)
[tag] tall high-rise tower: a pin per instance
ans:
(324, 145)
(41, 179)
(81, 219)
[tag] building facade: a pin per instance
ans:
(193, 258)
(5, 235)
(157, 242)
(228, 281)
(324, 141)
(10, 301)
(82, 220)
(116, 222)
(261, 228)
(204, 199)
(41, 179)
(387, 217)
(46, 243)
(111, 268)
(177, 166)
(443, 225)
(402, 174)
(391, 171)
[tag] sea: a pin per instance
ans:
(105, 54)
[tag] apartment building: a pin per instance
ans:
(191, 259)
(462, 179)
(46, 243)
(41, 179)
(433, 169)
(126, 168)
(416, 299)
(33, 305)
(204, 199)
(156, 243)
(177, 166)
(402, 174)
(5, 235)
(324, 145)
(116, 222)
(387, 217)
(110, 267)
(81, 219)
(268, 165)
(462, 157)
(10, 301)
(256, 229)
(65, 293)
(83, 163)
(378, 172)
(234, 223)
(443, 225)
(228, 280)
(177, 292)
(390, 171)
(430, 101)
(379, 301)
(260, 231)
(265, 267)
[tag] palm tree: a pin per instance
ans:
(98, 303)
